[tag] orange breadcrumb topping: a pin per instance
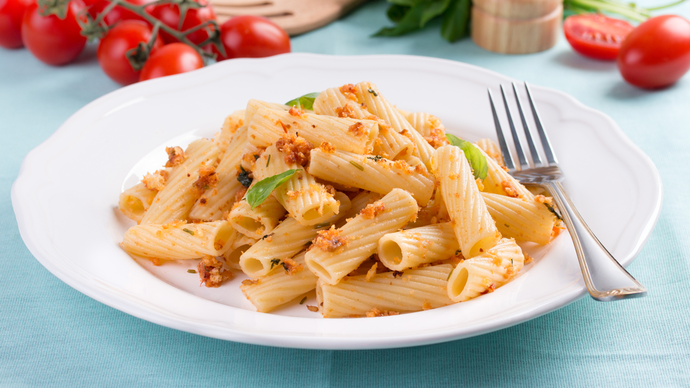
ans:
(426, 305)
(378, 313)
(480, 184)
(175, 156)
(155, 181)
(239, 194)
(437, 137)
(296, 112)
(250, 282)
(372, 210)
(349, 91)
(528, 258)
(211, 272)
(291, 266)
(542, 199)
(345, 111)
(295, 148)
(330, 240)
(207, 178)
(510, 190)
(326, 147)
(358, 129)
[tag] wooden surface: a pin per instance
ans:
(516, 26)
(294, 16)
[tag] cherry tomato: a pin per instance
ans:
(114, 45)
(169, 14)
(252, 37)
(117, 13)
(50, 39)
(657, 53)
(596, 36)
(174, 58)
(11, 14)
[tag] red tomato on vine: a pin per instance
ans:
(117, 13)
(169, 14)
(112, 49)
(252, 37)
(53, 40)
(11, 15)
(174, 58)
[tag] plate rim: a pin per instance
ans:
(85, 286)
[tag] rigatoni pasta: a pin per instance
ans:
(362, 201)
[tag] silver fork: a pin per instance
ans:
(605, 278)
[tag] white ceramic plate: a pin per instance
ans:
(66, 195)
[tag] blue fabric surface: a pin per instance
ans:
(52, 335)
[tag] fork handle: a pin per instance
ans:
(605, 278)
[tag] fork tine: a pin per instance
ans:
(528, 134)
(507, 156)
(545, 143)
(518, 145)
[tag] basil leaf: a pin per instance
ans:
(472, 154)
(262, 189)
(407, 3)
(409, 23)
(433, 9)
(456, 20)
(305, 102)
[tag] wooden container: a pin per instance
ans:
(516, 26)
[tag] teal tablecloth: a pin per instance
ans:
(51, 335)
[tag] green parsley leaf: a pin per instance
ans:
(372, 91)
(269, 160)
(359, 166)
(375, 158)
(476, 159)
(322, 225)
(305, 102)
(274, 262)
(188, 231)
(450, 273)
(303, 300)
(191, 271)
(260, 191)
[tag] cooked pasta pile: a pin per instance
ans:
(345, 194)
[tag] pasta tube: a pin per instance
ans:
(474, 228)
(371, 173)
(411, 247)
(259, 221)
(386, 293)
(136, 200)
(337, 252)
(175, 201)
(307, 201)
(486, 272)
(179, 241)
(281, 286)
(522, 219)
(267, 126)
(286, 240)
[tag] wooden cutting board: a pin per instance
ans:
(294, 16)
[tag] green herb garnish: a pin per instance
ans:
(457, 252)
(321, 225)
(244, 178)
(268, 161)
(359, 166)
(303, 300)
(552, 210)
(372, 91)
(256, 157)
(375, 158)
(450, 273)
(306, 101)
(274, 262)
(476, 159)
(260, 191)
(188, 231)
(191, 271)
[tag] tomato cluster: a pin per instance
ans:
(653, 55)
(57, 36)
